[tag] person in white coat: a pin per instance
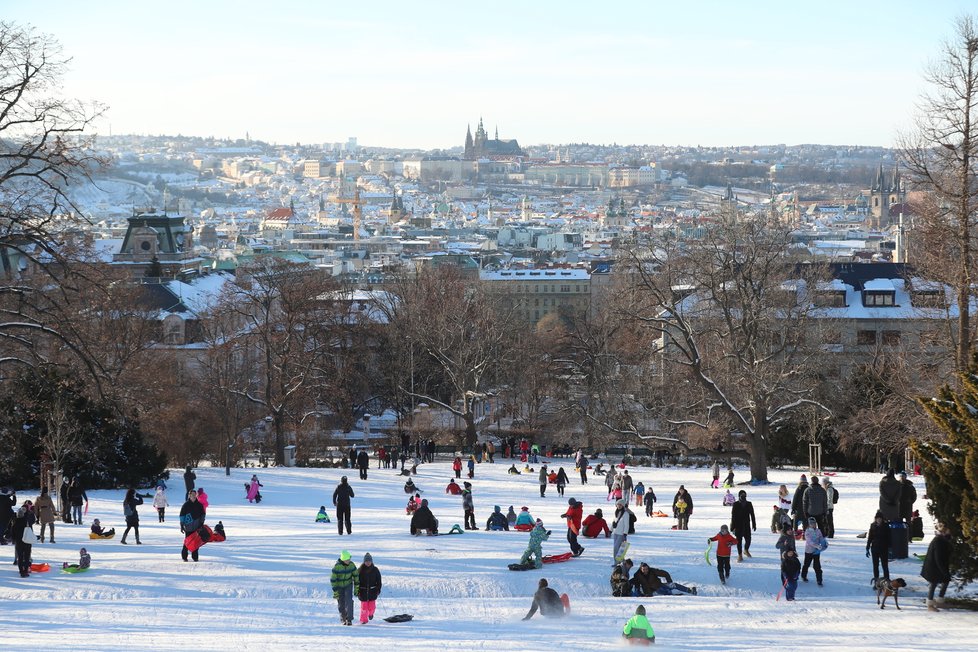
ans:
(160, 502)
(619, 529)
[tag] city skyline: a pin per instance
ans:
(414, 77)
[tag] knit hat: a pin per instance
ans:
(345, 555)
(343, 479)
(540, 522)
(467, 485)
(96, 521)
(497, 508)
(83, 552)
(640, 610)
(543, 582)
(571, 502)
(598, 513)
(812, 520)
(524, 508)
(322, 508)
(367, 558)
(804, 478)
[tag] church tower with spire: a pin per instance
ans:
(884, 193)
(469, 145)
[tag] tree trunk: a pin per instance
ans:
(757, 441)
(471, 436)
(279, 440)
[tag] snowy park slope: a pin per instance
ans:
(267, 586)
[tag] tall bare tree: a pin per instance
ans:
(43, 150)
(941, 154)
(734, 325)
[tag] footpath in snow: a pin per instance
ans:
(267, 586)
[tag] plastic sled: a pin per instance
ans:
(399, 618)
(456, 529)
(659, 513)
(92, 535)
(75, 570)
(523, 528)
(556, 559)
(195, 540)
(565, 599)
(521, 567)
(40, 568)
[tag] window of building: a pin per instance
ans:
(891, 338)
(866, 338)
(565, 288)
(536, 288)
(552, 288)
(878, 299)
(536, 302)
(577, 288)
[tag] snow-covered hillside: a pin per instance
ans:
(267, 586)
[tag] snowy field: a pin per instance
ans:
(267, 586)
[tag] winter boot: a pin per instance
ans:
(931, 606)
(740, 558)
(747, 554)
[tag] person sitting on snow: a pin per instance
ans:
(638, 630)
(511, 516)
(322, 516)
(524, 522)
(453, 488)
(594, 524)
(653, 581)
(84, 561)
(497, 520)
(410, 488)
(535, 547)
(424, 520)
(100, 531)
(621, 586)
(414, 502)
(728, 499)
(513, 470)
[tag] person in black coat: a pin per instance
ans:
(798, 503)
(188, 480)
(369, 588)
(547, 601)
(890, 494)
(77, 497)
(22, 523)
(129, 504)
(341, 500)
(191, 518)
(65, 505)
(742, 523)
(8, 499)
(937, 567)
(878, 546)
(424, 520)
(908, 495)
(363, 463)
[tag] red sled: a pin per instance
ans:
(556, 559)
(202, 535)
(565, 599)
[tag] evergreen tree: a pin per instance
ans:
(950, 468)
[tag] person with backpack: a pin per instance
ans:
(129, 504)
(341, 501)
(369, 590)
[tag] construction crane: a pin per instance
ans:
(357, 210)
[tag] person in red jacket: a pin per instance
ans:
(594, 524)
(573, 516)
(453, 488)
(457, 467)
(724, 541)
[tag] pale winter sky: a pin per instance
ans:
(413, 74)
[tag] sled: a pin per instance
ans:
(919, 557)
(196, 539)
(92, 535)
(521, 567)
(523, 528)
(622, 552)
(556, 559)
(565, 600)
(399, 618)
(659, 513)
(456, 529)
(706, 553)
(74, 570)
(40, 568)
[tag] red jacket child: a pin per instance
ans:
(724, 540)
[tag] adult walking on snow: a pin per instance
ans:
(188, 480)
(44, 507)
(798, 503)
(543, 480)
(742, 523)
(716, 475)
(627, 485)
(77, 497)
(369, 591)
(908, 494)
(890, 492)
(363, 463)
(937, 567)
(619, 529)
(682, 508)
(581, 462)
(345, 580)
(816, 503)
(191, 519)
(878, 546)
(609, 480)
(831, 498)
(468, 506)
(341, 501)
(562, 481)
(129, 504)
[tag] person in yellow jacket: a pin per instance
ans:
(637, 630)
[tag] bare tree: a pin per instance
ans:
(461, 331)
(734, 324)
(941, 154)
(43, 150)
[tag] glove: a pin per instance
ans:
(867, 552)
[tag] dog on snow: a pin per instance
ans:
(885, 588)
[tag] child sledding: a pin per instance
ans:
(84, 563)
(99, 532)
(322, 516)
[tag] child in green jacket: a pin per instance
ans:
(637, 630)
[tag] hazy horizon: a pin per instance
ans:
(413, 77)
